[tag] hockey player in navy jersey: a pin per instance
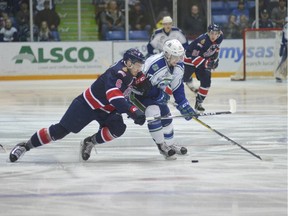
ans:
(201, 57)
(161, 35)
(162, 77)
(103, 101)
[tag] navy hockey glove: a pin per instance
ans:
(137, 115)
(162, 98)
(211, 64)
(186, 110)
(282, 48)
(141, 85)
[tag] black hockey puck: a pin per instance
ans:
(194, 161)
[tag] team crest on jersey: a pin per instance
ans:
(202, 41)
(155, 67)
(119, 83)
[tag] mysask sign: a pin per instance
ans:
(55, 58)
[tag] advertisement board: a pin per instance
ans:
(80, 58)
(53, 58)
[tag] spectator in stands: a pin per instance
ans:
(39, 5)
(263, 4)
(194, 24)
(279, 13)
(23, 15)
(45, 33)
(138, 18)
(264, 21)
(8, 33)
(51, 17)
(239, 19)
(112, 19)
(5, 15)
(22, 19)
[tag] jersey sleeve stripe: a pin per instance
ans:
(91, 100)
(96, 104)
(114, 93)
(198, 61)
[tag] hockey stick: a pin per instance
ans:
(235, 143)
(232, 104)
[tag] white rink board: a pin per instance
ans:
(54, 58)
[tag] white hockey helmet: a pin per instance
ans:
(173, 48)
(167, 19)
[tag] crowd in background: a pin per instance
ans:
(15, 21)
(110, 16)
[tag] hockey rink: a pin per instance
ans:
(128, 176)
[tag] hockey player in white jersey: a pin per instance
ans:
(163, 77)
(161, 35)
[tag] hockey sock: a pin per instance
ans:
(202, 93)
(102, 136)
(169, 134)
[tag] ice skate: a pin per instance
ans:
(86, 147)
(199, 107)
(180, 150)
(18, 151)
(192, 87)
(166, 151)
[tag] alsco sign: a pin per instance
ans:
(55, 55)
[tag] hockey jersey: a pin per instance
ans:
(201, 49)
(107, 92)
(159, 37)
(162, 76)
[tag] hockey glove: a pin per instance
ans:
(211, 64)
(141, 85)
(137, 115)
(282, 49)
(186, 110)
(162, 98)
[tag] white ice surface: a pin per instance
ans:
(128, 176)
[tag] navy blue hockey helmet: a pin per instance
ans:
(134, 55)
(214, 27)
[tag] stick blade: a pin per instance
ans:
(266, 158)
(232, 103)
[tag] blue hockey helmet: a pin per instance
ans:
(134, 55)
(214, 27)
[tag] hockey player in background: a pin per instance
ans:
(281, 71)
(163, 77)
(201, 57)
(161, 35)
(103, 101)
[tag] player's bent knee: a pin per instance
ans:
(57, 131)
(116, 125)
(166, 122)
(153, 111)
